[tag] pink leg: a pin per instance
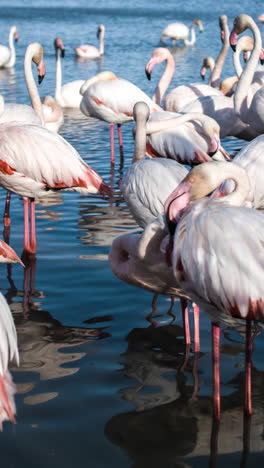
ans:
(248, 365)
(185, 319)
(7, 220)
(120, 140)
(26, 226)
(216, 369)
(33, 240)
(196, 319)
(112, 143)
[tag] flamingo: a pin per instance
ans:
(208, 64)
(180, 32)
(89, 51)
(67, 95)
(188, 138)
(34, 160)
(207, 261)
(247, 103)
(8, 54)
(8, 345)
(145, 193)
(180, 95)
(109, 98)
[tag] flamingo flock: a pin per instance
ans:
(195, 221)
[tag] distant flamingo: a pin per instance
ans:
(180, 32)
(34, 160)
(208, 64)
(89, 51)
(67, 95)
(180, 95)
(247, 103)
(109, 98)
(207, 260)
(8, 54)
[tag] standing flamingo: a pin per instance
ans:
(34, 160)
(180, 32)
(218, 255)
(67, 95)
(109, 98)
(8, 54)
(89, 51)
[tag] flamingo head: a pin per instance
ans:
(37, 58)
(100, 30)
(14, 32)
(239, 26)
(159, 55)
(8, 255)
(58, 45)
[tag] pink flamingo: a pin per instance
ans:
(34, 160)
(180, 32)
(109, 98)
(207, 260)
(89, 51)
(67, 95)
(8, 54)
(247, 103)
(8, 347)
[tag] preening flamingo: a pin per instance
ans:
(180, 32)
(89, 51)
(67, 95)
(8, 54)
(34, 160)
(188, 138)
(180, 95)
(247, 103)
(109, 98)
(218, 254)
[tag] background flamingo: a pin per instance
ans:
(180, 32)
(8, 54)
(89, 51)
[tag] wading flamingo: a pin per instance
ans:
(180, 32)
(67, 95)
(207, 260)
(247, 103)
(8, 54)
(89, 51)
(34, 160)
(109, 98)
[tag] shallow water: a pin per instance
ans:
(98, 384)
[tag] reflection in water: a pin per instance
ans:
(41, 338)
(169, 427)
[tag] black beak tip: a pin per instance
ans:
(262, 61)
(62, 53)
(233, 47)
(40, 78)
(148, 75)
(211, 153)
(202, 76)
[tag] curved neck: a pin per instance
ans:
(140, 140)
(11, 61)
(165, 124)
(164, 80)
(246, 77)
(58, 75)
(193, 36)
(101, 44)
(215, 77)
(31, 85)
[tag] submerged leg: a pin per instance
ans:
(248, 365)
(185, 319)
(120, 140)
(112, 143)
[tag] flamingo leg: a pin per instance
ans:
(216, 370)
(248, 366)
(185, 319)
(120, 140)
(112, 143)
(26, 226)
(30, 243)
(7, 220)
(196, 320)
(33, 240)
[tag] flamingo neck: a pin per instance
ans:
(247, 75)
(58, 76)
(101, 44)
(11, 61)
(140, 141)
(215, 77)
(193, 36)
(160, 125)
(165, 80)
(31, 85)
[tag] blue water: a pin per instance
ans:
(98, 385)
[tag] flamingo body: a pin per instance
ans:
(88, 51)
(180, 32)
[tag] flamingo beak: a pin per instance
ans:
(148, 74)
(175, 203)
(203, 72)
(214, 145)
(16, 37)
(62, 53)
(41, 71)
(233, 40)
